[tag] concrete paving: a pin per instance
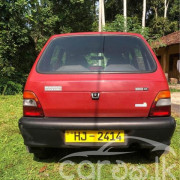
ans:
(175, 101)
(175, 97)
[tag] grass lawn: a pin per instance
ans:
(16, 163)
(174, 90)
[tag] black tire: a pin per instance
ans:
(152, 155)
(42, 153)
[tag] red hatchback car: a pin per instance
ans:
(87, 89)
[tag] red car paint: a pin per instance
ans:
(117, 91)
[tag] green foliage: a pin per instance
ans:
(10, 88)
(25, 26)
(157, 25)
(114, 7)
(42, 21)
(133, 25)
(174, 90)
(16, 45)
(161, 27)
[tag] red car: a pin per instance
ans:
(87, 89)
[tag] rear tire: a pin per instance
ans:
(41, 153)
(152, 155)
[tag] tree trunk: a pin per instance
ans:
(100, 16)
(103, 15)
(166, 4)
(144, 14)
(125, 14)
(156, 13)
(94, 7)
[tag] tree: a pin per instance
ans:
(101, 15)
(16, 45)
(112, 8)
(166, 4)
(133, 25)
(144, 14)
(25, 26)
(125, 14)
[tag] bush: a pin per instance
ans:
(10, 85)
(10, 88)
(133, 25)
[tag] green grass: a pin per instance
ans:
(174, 90)
(17, 164)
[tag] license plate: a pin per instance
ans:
(75, 136)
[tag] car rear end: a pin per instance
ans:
(87, 89)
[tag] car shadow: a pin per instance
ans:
(136, 157)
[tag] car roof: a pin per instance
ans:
(97, 33)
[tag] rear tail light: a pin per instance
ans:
(161, 105)
(31, 105)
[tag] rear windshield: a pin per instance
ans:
(102, 53)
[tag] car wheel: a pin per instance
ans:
(152, 155)
(42, 153)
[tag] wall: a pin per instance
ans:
(168, 57)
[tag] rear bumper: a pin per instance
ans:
(49, 132)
